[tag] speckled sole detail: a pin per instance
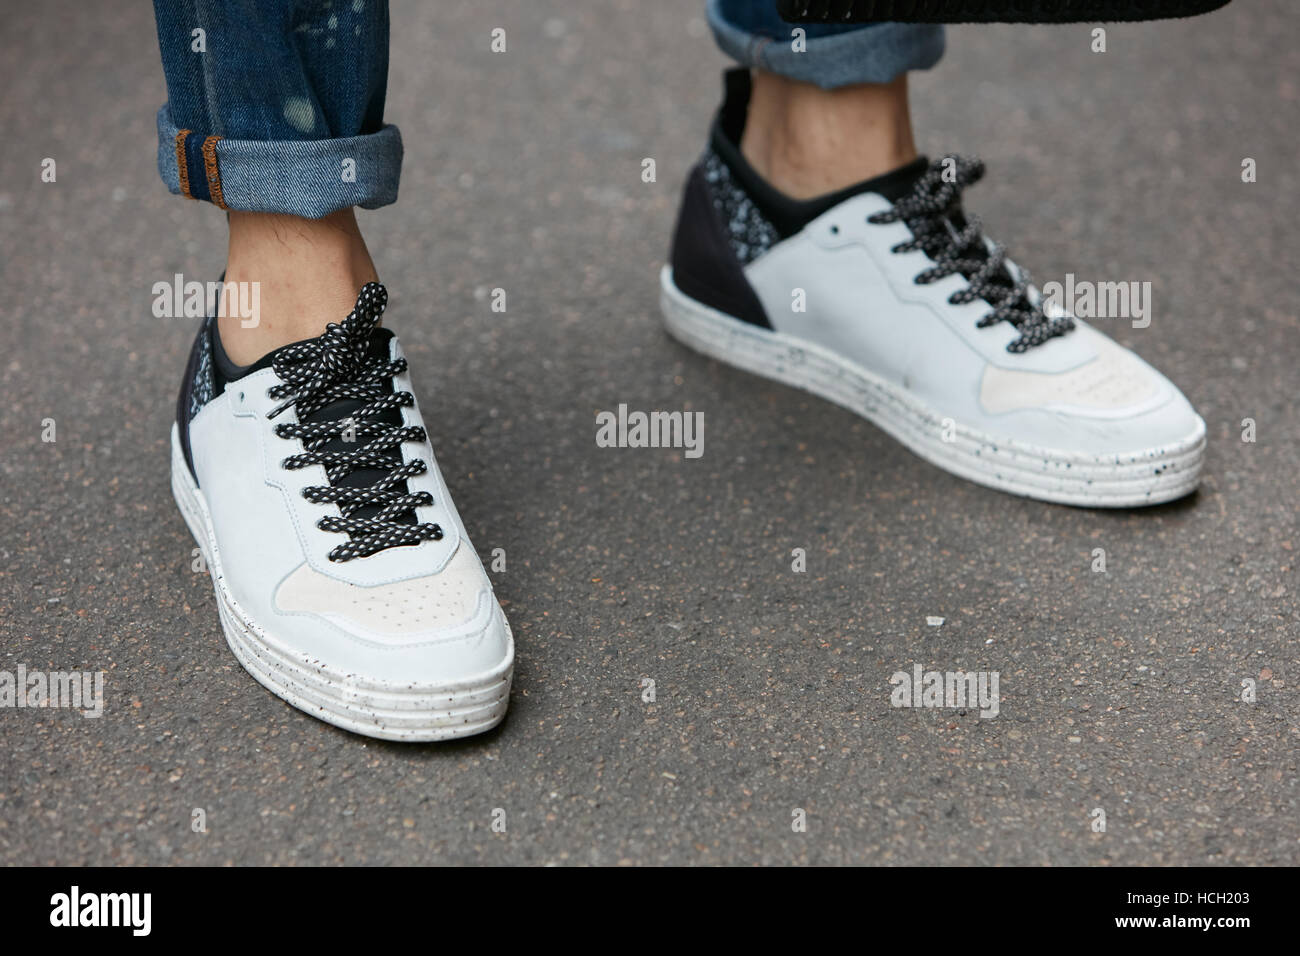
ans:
(408, 712)
(1144, 477)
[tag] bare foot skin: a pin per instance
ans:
(308, 270)
(808, 142)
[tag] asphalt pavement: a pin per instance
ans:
(1119, 690)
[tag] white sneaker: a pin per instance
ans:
(918, 323)
(344, 577)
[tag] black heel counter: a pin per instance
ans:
(186, 399)
(704, 265)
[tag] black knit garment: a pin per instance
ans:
(989, 11)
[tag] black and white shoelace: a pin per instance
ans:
(929, 212)
(334, 367)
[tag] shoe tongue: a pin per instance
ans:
(230, 372)
(378, 349)
(345, 408)
(794, 214)
(956, 221)
(896, 183)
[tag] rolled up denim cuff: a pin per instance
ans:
(826, 57)
(310, 177)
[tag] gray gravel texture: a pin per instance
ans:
(523, 171)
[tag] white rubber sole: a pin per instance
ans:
(1133, 479)
(388, 711)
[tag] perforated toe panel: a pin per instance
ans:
(434, 602)
(1115, 379)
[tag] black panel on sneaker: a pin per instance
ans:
(197, 388)
(706, 264)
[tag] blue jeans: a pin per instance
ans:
(829, 56)
(278, 105)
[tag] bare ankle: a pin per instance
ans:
(808, 142)
(307, 273)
